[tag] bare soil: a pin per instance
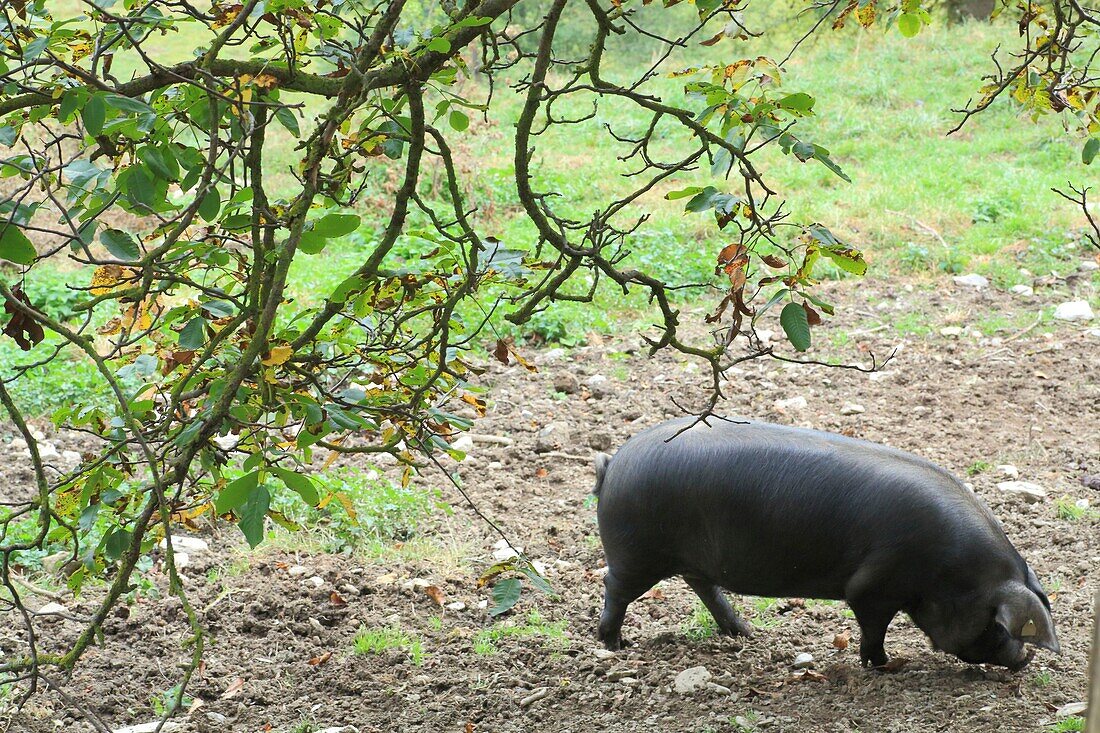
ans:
(967, 402)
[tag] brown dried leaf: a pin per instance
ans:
(320, 659)
(500, 353)
(435, 594)
(655, 594)
(336, 599)
(542, 473)
(840, 641)
(234, 687)
(26, 331)
(774, 261)
(812, 316)
(476, 402)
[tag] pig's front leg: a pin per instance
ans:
(874, 617)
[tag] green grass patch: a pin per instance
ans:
(701, 624)
(381, 640)
(533, 626)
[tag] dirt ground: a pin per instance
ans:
(282, 621)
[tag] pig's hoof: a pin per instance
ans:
(736, 627)
(874, 661)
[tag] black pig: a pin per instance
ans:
(769, 510)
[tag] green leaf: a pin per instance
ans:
(94, 115)
(193, 335)
(252, 515)
(15, 247)
(336, 225)
(120, 244)
(458, 120)
(1092, 147)
(297, 482)
(683, 193)
(440, 45)
(70, 103)
(505, 595)
(116, 544)
(236, 492)
(799, 102)
(537, 579)
(160, 161)
(909, 24)
(287, 118)
(211, 204)
(846, 258)
(128, 104)
(8, 133)
(796, 326)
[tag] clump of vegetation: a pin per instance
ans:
(701, 624)
(380, 640)
(1068, 725)
(1068, 509)
(549, 633)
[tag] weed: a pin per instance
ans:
(1044, 678)
(165, 703)
(379, 640)
(763, 618)
(977, 467)
(1068, 509)
(701, 625)
(744, 723)
(1072, 723)
(552, 634)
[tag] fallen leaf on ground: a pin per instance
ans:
(234, 687)
(840, 641)
(435, 594)
(319, 660)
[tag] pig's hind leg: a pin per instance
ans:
(620, 591)
(729, 623)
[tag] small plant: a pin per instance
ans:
(379, 640)
(977, 467)
(1042, 679)
(1068, 509)
(701, 625)
(763, 618)
(551, 633)
(1072, 723)
(165, 703)
(745, 723)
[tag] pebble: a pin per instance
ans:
(1029, 492)
(463, 443)
(794, 403)
(805, 660)
(1022, 290)
(566, 383)
(600, 440)
(340, 729)
(603, 653)
(1074, 310)
(296, 571)
(52, 608)
(1009, 470)
(181, 559)
(554, 436)
(598, 385)
(503, 551)
(1073, 708)
(720, 689)
(182, 543)
(456, 606)
(316, 581)
(951, 331)
(691, 679)
(71, 457)
(972, 280)
(1088, 266)
(852, 409)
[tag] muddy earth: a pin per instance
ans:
(1020, 404)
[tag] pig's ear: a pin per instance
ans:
(1025, 617)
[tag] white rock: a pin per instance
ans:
(37, 434)
(456, 606)
(691, 679)
(765, 335)
(852, 409)
(316, 581)
(494, 465)
(18, 444)
(1074, 310)
(1094, 332)
(1082, 503)
(295, 571)
(1073, 708)
(51, 608)
(603, 653)
(794, 403)
(805, 660)
(506, 553)
(415, 584)
(463, 443)
(52, 563)
(1009, 470)
(972, 280)
(1088, 266)
(71, 457)
(483, 604)
(47, 451)
(340, 729)
(1029, 492)
(555, 436)
(182, 543)
(951, 331)
(1022, 290)
(182, 560)
(595, 380)
(150, 727)
(551, 356)
(720, 689)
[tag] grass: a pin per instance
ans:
(1072, 723)
(701, 624)
(381, 640)
(534, 626)
(1066, 508)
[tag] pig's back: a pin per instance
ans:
(774, 510)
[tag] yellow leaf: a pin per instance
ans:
(278, 355)
(866, 15)
(105, 278)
